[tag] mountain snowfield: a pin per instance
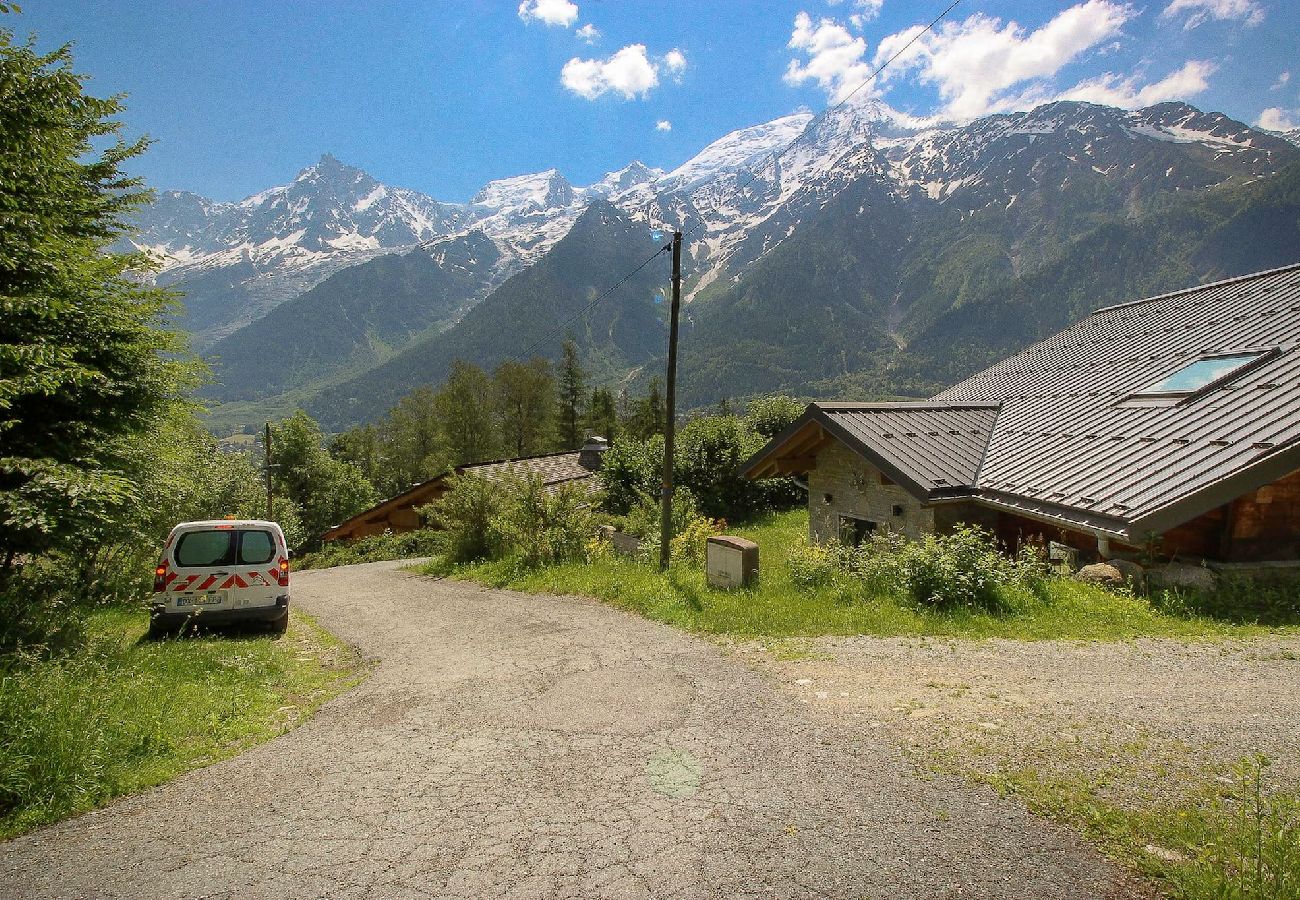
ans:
(739, 200)
(735, 198)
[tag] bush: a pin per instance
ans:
(814, 566)
(540, 527)
(514, 517)
(463, 516)
(629, 469)
(389, 545)
(961, 569)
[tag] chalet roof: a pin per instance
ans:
(1072, 437)
(1077, 436)
(934, 449)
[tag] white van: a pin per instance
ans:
(221, 571)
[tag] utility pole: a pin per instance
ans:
(670, 420)
(270, 503)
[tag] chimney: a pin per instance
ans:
(591, 452)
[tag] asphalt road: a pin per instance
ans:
(516, 746)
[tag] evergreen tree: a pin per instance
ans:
(602, 414)
(85, 367)
(571, 391)
(466, 415)
(525, 405)
(648, 414)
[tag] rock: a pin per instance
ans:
(1100, 573)
(1132, 572)
(1183, 575)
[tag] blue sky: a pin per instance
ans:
(445, 96)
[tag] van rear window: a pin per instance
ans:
(223, 548)
(206, 548)
(255, 547)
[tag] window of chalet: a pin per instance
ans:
(1203, 374)
(854, 531)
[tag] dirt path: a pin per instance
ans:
(509, 745)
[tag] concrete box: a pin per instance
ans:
(731, 562)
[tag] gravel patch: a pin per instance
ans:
(1153, 716)
(509, 745)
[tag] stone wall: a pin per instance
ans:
(844, 484)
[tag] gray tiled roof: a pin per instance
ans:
(553, 468)
(936, 446)
(1067, 439)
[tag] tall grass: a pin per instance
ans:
(785, 606)
(122, 714)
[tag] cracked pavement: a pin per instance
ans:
(509, 745)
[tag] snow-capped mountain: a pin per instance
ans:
(739, 198)
(992, 160)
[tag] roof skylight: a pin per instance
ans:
(1201, 374)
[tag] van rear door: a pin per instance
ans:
(227, 567)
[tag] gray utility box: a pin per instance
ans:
(731, 562)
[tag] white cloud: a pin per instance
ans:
(1200, 11)
(1277, 119)
(981, 65)
(1115, 90)
(551, 12)
(663, 125)
(1282, 79)
(835, 56)
(588, 33)
(629, 73)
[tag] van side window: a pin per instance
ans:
(255, 547)
(206, 548)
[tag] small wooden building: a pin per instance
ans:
(401, 512)
(1169, 426)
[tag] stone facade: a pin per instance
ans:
(844, 486)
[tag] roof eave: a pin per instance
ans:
(1281, 461)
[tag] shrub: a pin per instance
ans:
(463, 516)
(630, 468)
(690, 543)
(963, 568)
(813, 566)
(389, 545)
(514, 517)
(540, 527)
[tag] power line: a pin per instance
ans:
(824, 114)
(753, 176)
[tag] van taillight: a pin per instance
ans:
(159, 584)
(284, 571)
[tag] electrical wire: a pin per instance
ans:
(753, 176)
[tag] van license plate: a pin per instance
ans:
(210, 598)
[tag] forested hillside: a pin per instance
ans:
(532, 309)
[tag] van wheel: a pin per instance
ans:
(280, 625)
(158, 631)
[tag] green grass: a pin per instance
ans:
(123, 714)
(779, 608)
(1233, 835)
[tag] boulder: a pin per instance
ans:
(1183, 575)
(1102, 573)
(1132, 572)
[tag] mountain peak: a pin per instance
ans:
(544, 190)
